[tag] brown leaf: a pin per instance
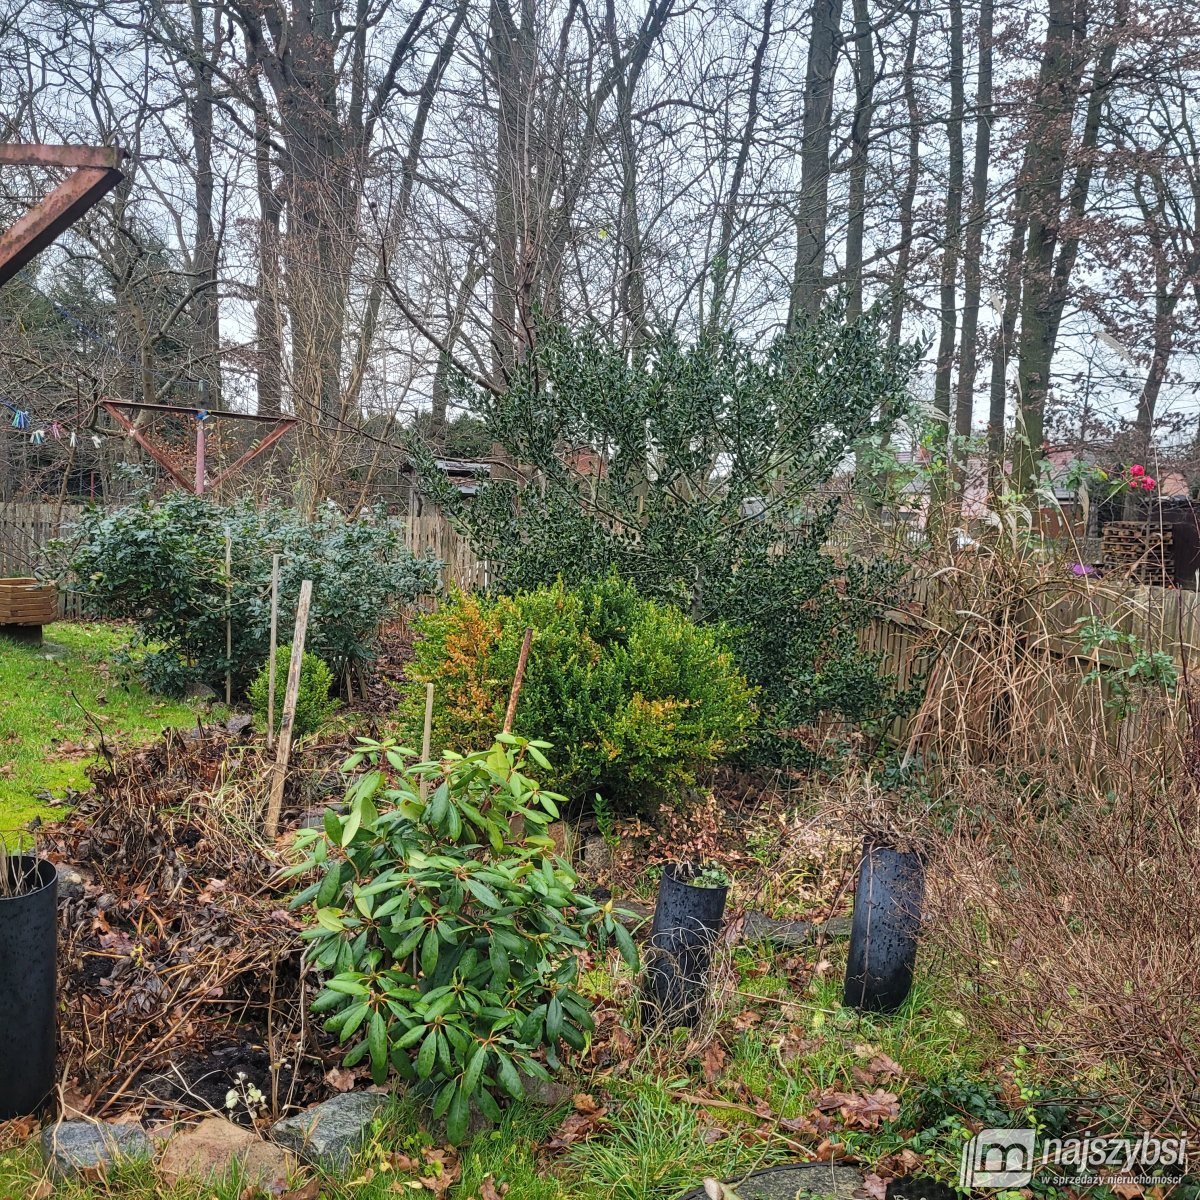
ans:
(578, 1126)
(490, 1190)
(340, 1079)
(307, 1191)
(587, 1104)
(42, 1190)
(875, 1187)
(713, 1061)
(1128, 1191)
(881, 1064)
(857, 1109)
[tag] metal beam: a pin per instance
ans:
(53, 216)
(252, 453)
(34, 154)
(159, 456)
(192, 409)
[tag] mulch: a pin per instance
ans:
(180, 968)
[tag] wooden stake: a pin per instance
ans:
(275, 804)
(274, 647)
(228, 618)
(427, 736)
(518, 679)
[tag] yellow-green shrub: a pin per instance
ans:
(634, 696)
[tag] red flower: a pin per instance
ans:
(1137, 469)
(1148, 484)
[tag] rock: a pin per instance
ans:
(549, 1093)
(210, 1150)
(797, 1181)
(759, 928)
(597, 855)
(199, 691)
(238, 723)
(72, 1147)
(71, 882)
(328, 1134)
(312, 818)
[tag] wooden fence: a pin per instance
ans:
(26, 528)
(24, 531)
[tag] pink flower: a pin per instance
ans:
(1148, 484)
(1137, 469)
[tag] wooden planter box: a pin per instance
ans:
(27, 602)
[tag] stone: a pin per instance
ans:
(70, 1148)
(209, 1151)
(196, 690)
(238, 723)
(597, 855)
(71, 882)
(329, 1134)
(796, 1181)
(547, 1093)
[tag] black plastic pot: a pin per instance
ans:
(883, 934)
(687, 923)
(28, 959)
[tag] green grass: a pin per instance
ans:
(45, 731)
(659, 1139)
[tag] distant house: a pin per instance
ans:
(1053, 520)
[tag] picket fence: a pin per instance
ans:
(908, 638)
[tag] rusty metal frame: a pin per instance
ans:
(95, 171)
(160, 456)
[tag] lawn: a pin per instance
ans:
(57, 701)
(651, 1120)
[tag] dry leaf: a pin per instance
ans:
(713, 1061)
(340, 1079)
(875, 1187)
(489, 1190)
(42, 1190)
(579, 1125)
(881, 1064)
(308, 1191)
(1128, 1191)
(857, 1109)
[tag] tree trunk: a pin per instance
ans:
(968, 358)
(812, 214)
(720, 265)
(860, 135)
(948, 320)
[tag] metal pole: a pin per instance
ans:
(199, 458)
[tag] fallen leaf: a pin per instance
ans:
(586, 1104)
(875, 1187)
(1128, 1191)
(881, 1064)
(857, 1109)
(309, 1191)
(713, 1061)
(579, 1125)
(42, 1190)
(490, 1190)
(340, 1079)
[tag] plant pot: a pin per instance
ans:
(28, 961)
(884, 931)
(687, 923)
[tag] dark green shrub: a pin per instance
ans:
(634, 695)
(713, 456)
(161, 564)
(313, 703)
(448, 944)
